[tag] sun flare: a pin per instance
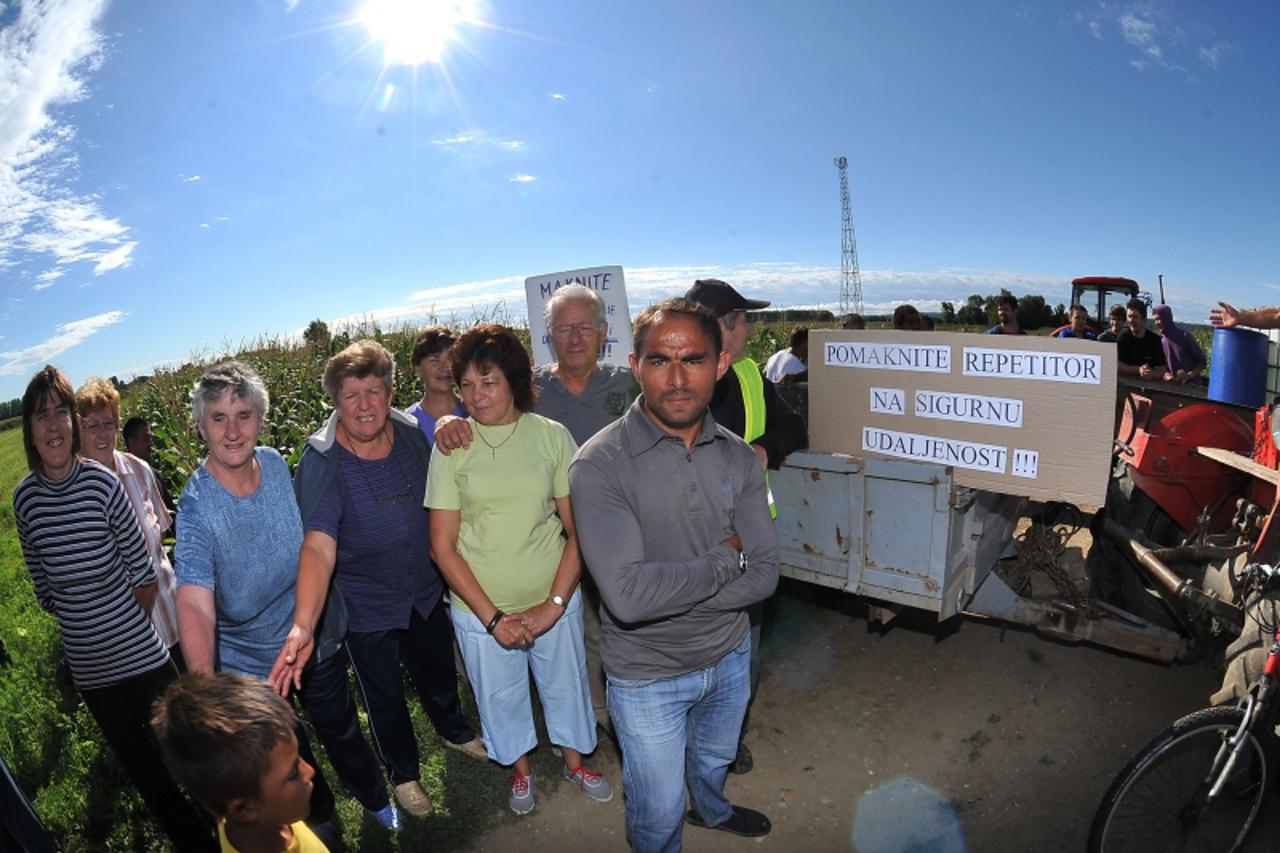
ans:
(413, 32)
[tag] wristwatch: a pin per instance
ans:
(558, 600)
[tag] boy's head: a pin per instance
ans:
(229, 741)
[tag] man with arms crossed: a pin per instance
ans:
(675, 528)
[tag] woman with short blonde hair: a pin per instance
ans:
(99, 405)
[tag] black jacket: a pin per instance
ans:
(784, 429)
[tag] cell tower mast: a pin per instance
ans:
(850, 277)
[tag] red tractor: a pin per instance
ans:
(1098, 294)
(1192, 499)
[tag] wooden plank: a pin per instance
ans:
(1241, 463)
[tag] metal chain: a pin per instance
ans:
(1040, 548)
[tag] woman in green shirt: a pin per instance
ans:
(502, 534)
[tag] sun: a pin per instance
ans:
(413, 32)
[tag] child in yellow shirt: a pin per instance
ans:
(229, 741)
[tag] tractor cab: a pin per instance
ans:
(1098, 293)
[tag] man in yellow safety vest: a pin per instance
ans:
(748, 405)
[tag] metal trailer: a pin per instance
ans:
(902, 534)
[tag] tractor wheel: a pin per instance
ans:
(1247, 654)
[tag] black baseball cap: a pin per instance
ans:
(722, 299)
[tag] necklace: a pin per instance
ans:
(404, 495)
(493, 448)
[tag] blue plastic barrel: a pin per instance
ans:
(1238, 372)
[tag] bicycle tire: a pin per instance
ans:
(1152, 804)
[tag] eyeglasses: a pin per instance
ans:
(101, 426)
(565, 330)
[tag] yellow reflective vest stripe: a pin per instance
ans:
(752, 385)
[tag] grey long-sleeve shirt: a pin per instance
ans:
(651, 516)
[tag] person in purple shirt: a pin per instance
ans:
(1183, 357)
(360, 483)
(430, 361)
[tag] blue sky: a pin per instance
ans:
(179, 177)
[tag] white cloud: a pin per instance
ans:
(43, 285)
(786, 285)
(476, 140)
(522, 179)
(189, 179)
(557, 96)
(65, 337)
(115, 259)
(205, 225)
(1136, 31)
(1162, 40)
(46, 54)
(1215, 53)
(51, 276)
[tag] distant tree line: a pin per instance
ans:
(1033, 311)
(794, 315)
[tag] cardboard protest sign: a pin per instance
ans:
(1020, 415)
(607, 281)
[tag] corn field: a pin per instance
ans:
(293, 375)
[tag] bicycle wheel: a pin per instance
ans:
(1158, 802)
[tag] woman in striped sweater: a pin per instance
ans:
(89, 565)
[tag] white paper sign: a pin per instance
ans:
(920, 359)
(607, 281)
(968, 408)
(944, 451)
(889, 401)
(1031, 364)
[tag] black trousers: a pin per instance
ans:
(326, 700)
(123, 711)
(426, 650)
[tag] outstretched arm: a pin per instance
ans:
(316, 561)
(1228, 316)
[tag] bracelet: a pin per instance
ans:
(493, 623)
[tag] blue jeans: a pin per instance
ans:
(677, 731)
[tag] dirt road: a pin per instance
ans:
(914, 738)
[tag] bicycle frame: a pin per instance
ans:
(1257, 708)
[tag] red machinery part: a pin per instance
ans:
(1163, 465)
